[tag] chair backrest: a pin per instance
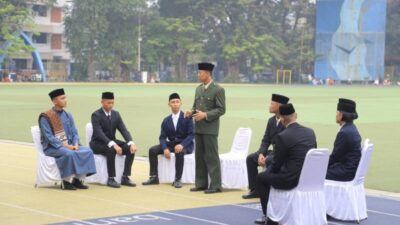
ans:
(89, 133)
(241, 141)
(365, 144)
(314, 169)
(362, 168)
(35, 130)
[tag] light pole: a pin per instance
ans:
(139, 40)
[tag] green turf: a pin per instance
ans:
(144, 106)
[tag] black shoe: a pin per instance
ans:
(251, 194)
(197, 189)
(151, 181)
(127, 182)
(261, 220)
(112, 183)
(65, 185)
(212, 191)
(79, 184)
(177, 184)
(270, 222)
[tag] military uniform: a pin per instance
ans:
(210, 100)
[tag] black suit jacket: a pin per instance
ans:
(290, 151)
(169, 137)
(269, 135)
(104, 130)
(346, 154)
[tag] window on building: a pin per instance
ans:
(40, 38)
(39, 10)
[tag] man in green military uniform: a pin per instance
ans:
(209, 105)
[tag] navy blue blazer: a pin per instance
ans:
(346, 154)
(183, 134)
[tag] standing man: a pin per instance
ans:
(60, 140)
(346, 154)
(263, 157)
(208, 106)
(105, 122)
(176, 136)
(291, 147)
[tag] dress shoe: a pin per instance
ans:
(177, 183)
(270, 222)
(260, 220)
(79, 184)
(197, 189)
(127, 182)
(212, 191)
(112, 183)
(151, 181)
(65, 185)
(251, 194)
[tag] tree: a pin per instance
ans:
(174, 39)
(393, 32)
(103, 34)
(121, 37)
(85, 26)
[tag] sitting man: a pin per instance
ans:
(263, 157)
(105, 122)
(60, 140)
(291, 147)
(176, 136)
(346, 154)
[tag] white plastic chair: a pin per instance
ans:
(346, 200)
(166, 168)
(305, 204)
(233, 164)
(47, 172)
(101, 176)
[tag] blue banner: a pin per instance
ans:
(350, 39)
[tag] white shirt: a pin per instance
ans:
(175, 118)
(112, 143)
(278, 120)
(107, 113)
(207, 85)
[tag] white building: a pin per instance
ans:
(47, 35)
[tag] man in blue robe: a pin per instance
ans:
(60, 140)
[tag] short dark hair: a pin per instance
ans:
(349, 117)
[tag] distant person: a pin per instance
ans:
(346, 154)
(60, 140)
(259, 158)
(291, 147)
(208, 107)
(176, 136)
(106, 122)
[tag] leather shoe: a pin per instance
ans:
(212, 191)
(151, 181)
(79, 184)
(65, 185)
(260, 220)
(270, 222)
(251, 194)
(112, 183)
(127, 182)
(177, 184)
(197, 189)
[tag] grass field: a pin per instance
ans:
(144, 106)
